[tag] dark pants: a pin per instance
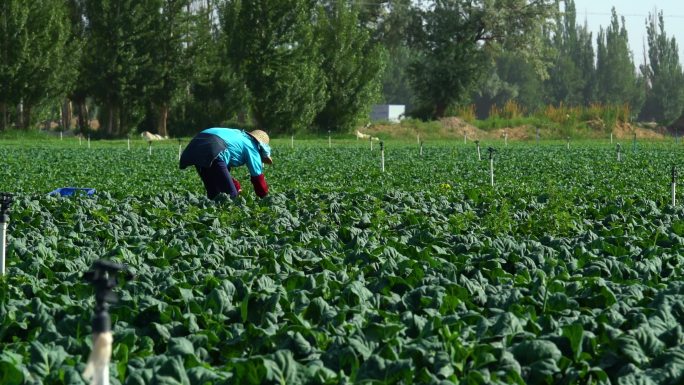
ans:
(217, 179)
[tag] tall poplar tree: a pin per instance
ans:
(164, 45)
(392, 31)
(114, 58)
(352, 65)
(663, 73)
(273, 47)
(616, 76)
(572, 74)
(212, 94)
(33, 36)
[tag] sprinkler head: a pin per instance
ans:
(382, 145)
(6, 200)
(103, 276)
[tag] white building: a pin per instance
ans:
(387, 112)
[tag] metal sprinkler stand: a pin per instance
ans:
(479, 156)
(634, 143)
(674, 185)
(103, 275)
(491, 151)
(6, 200)
(619, 150)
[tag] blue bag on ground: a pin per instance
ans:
(69, 191)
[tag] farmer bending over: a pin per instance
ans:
(215, 151)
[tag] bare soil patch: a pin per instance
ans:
(627, 131)
(455, 128)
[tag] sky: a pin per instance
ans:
(597, 15)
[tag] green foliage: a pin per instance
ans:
(493, 92)
(165, 72)
(665, 94)
(116, 53)
(352, 64)
(393, 32)
(395, 85)
(615, 75)
(494, 122)
(513, 79)
(417, 275)
(454, 39)
(216, 94)
(448, 59)
(572, 75)
(273, 47)
(32, 57)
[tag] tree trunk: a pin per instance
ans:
(110, 119)
(20, 115)
(66, 114)
(242, 117)
(162, 117)
(256, 119)
(26, 118)
(3, 119)
(113, 119)
(440, 110)
(82, 115)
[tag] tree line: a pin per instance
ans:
(583, 71)
(177, 66)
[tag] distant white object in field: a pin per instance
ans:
(150, 136)
(388, 112)
(361, 135)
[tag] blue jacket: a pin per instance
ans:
(240, 149)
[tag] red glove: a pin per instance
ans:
(260, 186)
(237, 185)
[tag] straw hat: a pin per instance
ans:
(262, 137)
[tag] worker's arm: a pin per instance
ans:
(256, 172)
(236, 183)
(260, 186)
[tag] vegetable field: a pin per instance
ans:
(567, 271)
